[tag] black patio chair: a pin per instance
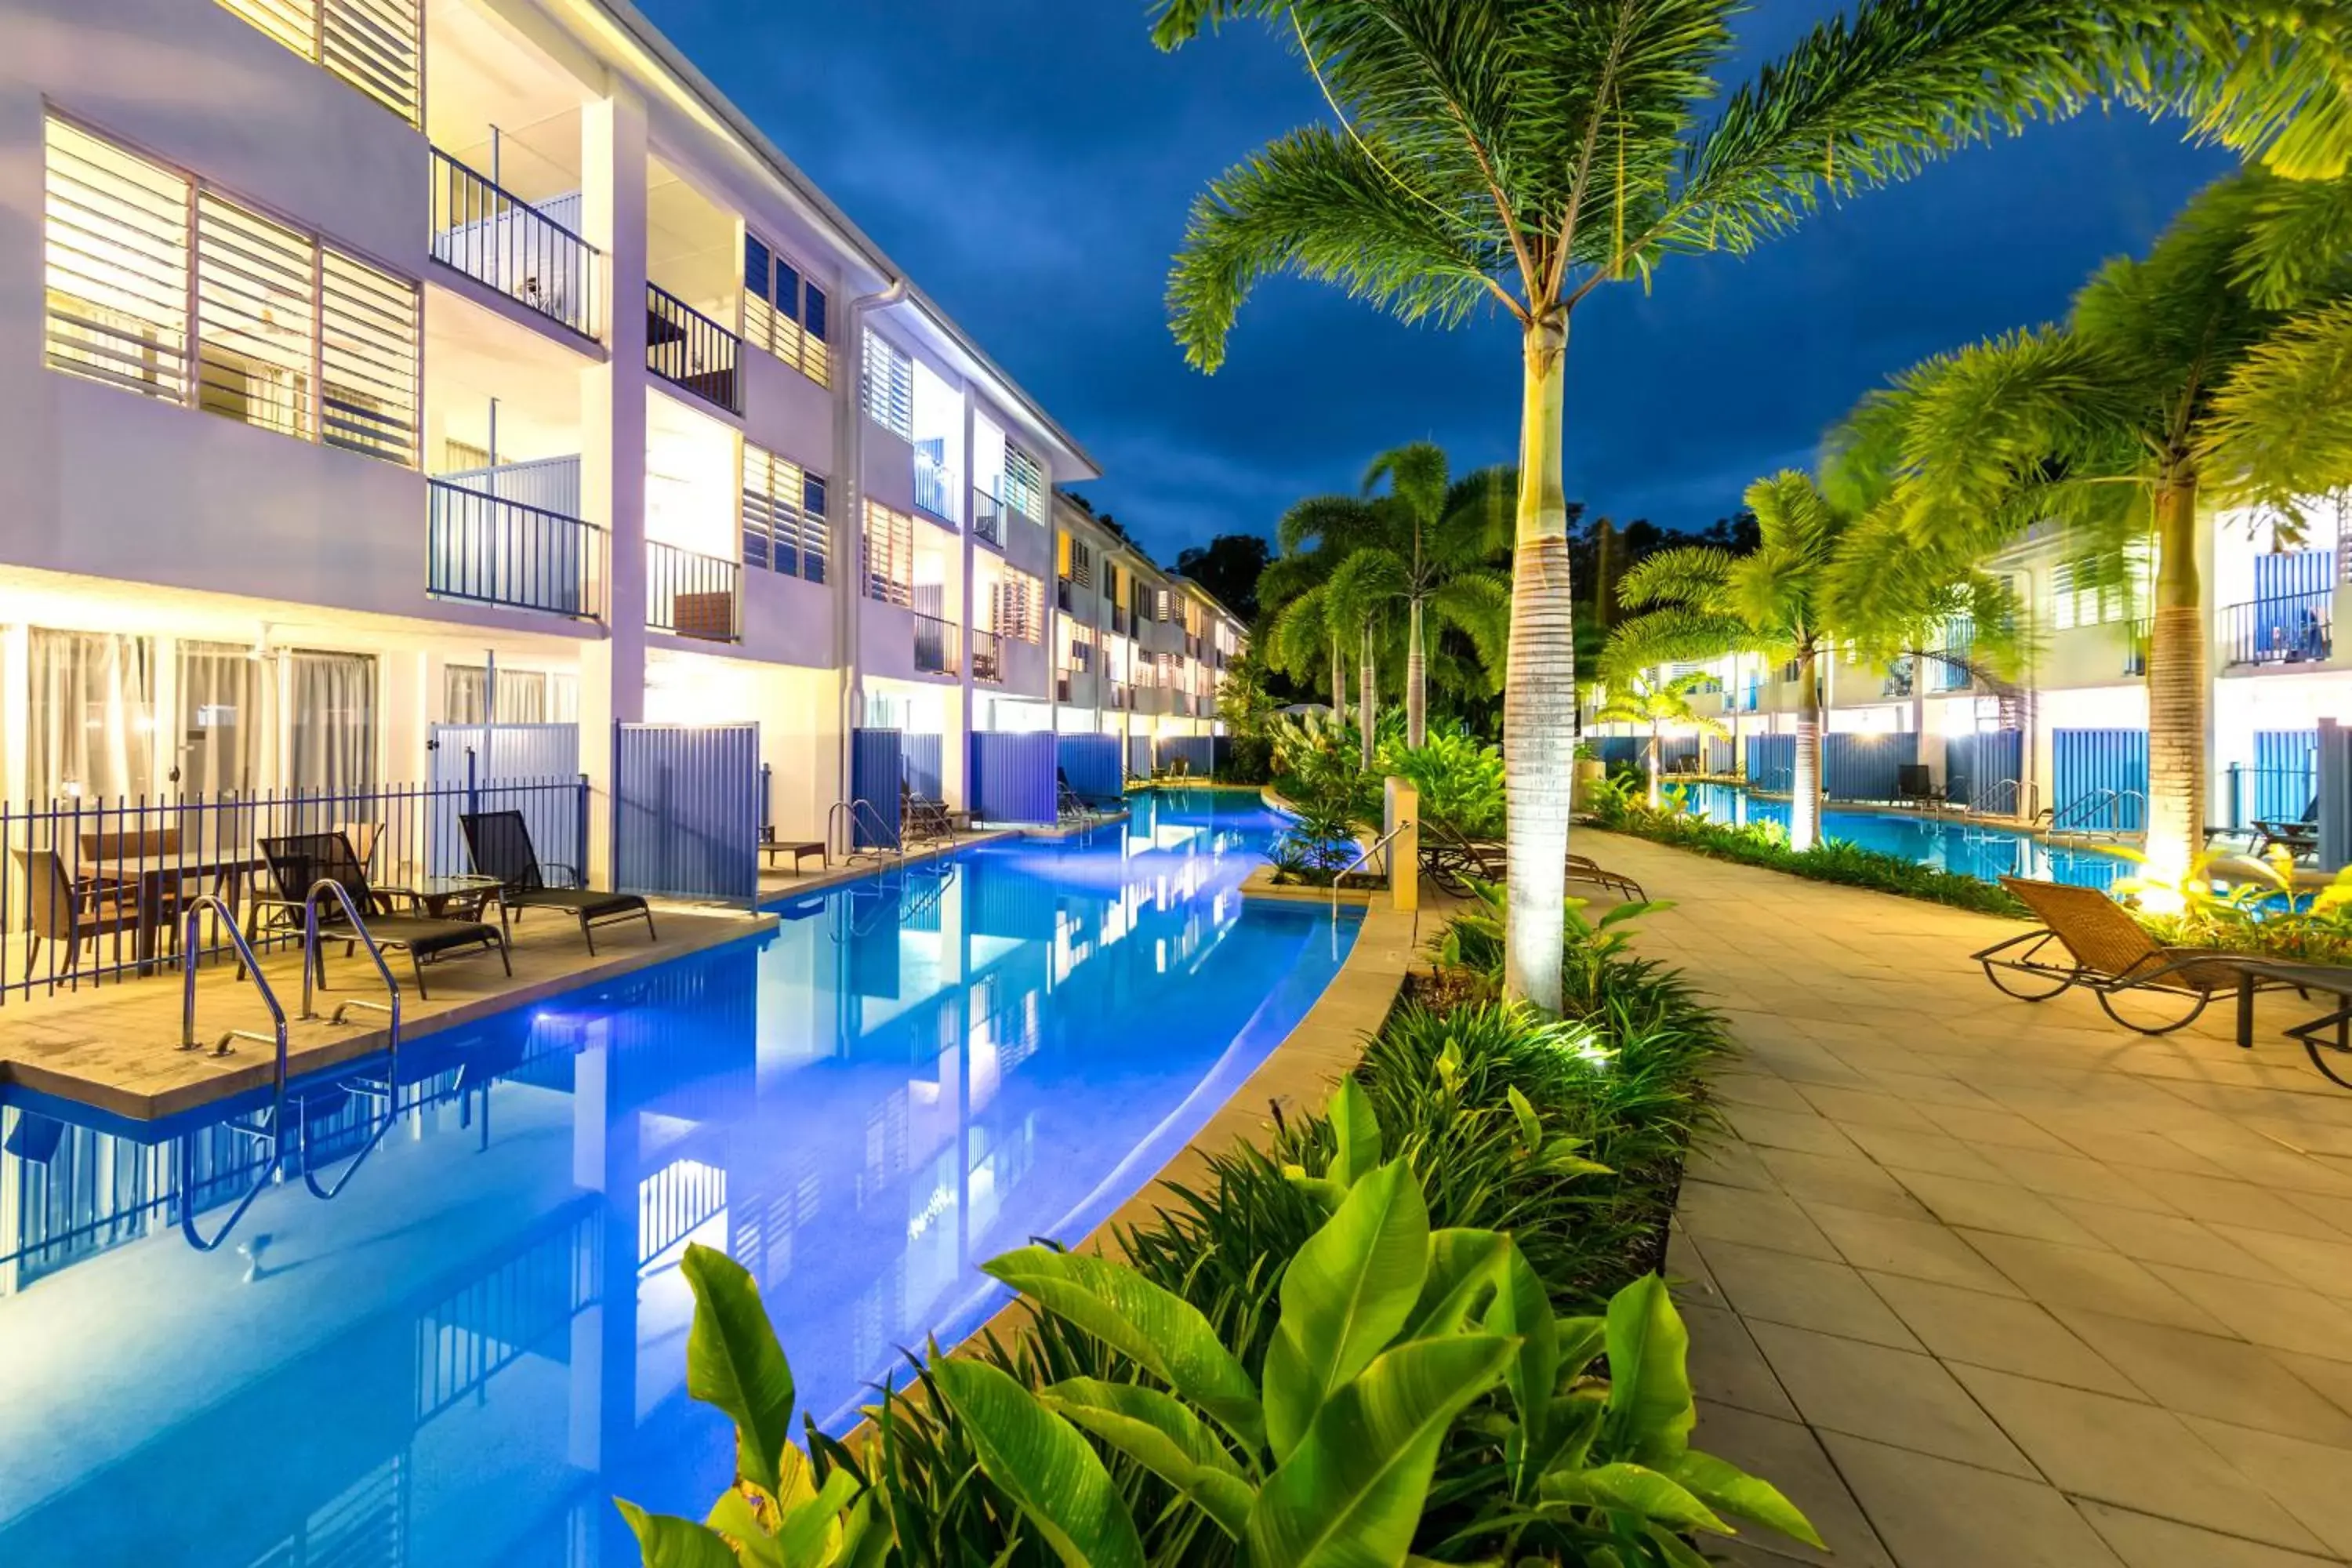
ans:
(301, 861)
(500, 843)
(2300, 837)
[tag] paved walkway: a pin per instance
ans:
(1982, 1283)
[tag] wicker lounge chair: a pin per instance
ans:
(500, 841)
(1454, 862)
(2088, 940)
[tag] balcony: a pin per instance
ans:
(690, 350)
(938, 645)
(1062, 594)
(988, 658)
(1122, 696)
(934, 488)
(1061, 686)
(988, 519)
(1119, 620)
(509, 245)
(489, 551)
(2291, 629)
(691, 594)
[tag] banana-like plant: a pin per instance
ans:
(1389, 1332)
(778, 1513)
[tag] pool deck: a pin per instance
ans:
(114, 1045)
(1982, 1282)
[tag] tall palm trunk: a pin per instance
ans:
(1653, 765)
(1805, 788)
(1338, 682)
(1416, 685)
(1540, 687)
(1367, 701)
(2178, 689)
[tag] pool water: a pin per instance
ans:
(1948, 843)
(465, 1353)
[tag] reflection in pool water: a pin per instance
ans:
(1947, 843)
(461, 1358)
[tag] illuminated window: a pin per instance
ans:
(1025, 483)
(784, 312)
(890, 387)
(784, 516)
(377, 46)
(291, 333)
(2078, 598)
(889, 541)
(1019, 607)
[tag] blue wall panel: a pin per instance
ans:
(1013, 776)
(876, 770)
(2085, 763)
(1199, 753)
(1091, 764)
(2286, 775)
(924, 760)
(685, 811)
(462, 757)
(1772, 763)
(1720, 755)
(1616, 750)
(1982, 769)
(1863, 768)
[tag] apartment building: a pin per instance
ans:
(375, 365)
(2067, 732)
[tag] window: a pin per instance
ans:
(1082, 564)
(784, 516)
(890, 387)
(784, 312)
(279, 314)
(1019, 607)
(1025, 483)
(889, 541)
(92, 715)
(374, 45)
(2078, 598)
(332, 737)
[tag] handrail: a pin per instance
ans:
(894, 843)
(311, 957)
(275, 1135)
(2072, 819)
(1382, 842)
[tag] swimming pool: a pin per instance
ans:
(462, 1357)
(1948, 843)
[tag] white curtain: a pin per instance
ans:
(334, 726)
(523, 695)
(93, 715)
(218, 747)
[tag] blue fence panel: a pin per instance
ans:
(877, 767)
(2087, 764)
(1013, 776)
(1863, 766)
(685, 811)
(2283, 779)
(1138, 756)
(1091, 764)
(1678, 753)
(923, 759)
(1983, 769)
(480, 758)
(1616, 750)
(1722, 755)
(1772, 763)
(1198, 752)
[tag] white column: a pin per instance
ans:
(613, 458)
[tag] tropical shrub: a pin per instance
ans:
(1458, 778)
(2257, 908)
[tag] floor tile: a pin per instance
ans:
(2283, 1317)
(2133, 1455)
(2145, 1542)
(1936, 1153)
(1727, 1367)
(2097, 1277)
(1933, 1513)
(2071, 1175)
(1730, 1162)
(1992, 1127)
(2311, 1480)
(2234, 1205)
(2322, 1266)
(1770, 1287)
(1997, 1331)
(1791, 1456)
(1888, 1395)
(2198, 1374)
(1872, 1107)
(1807, 1133)
(1710, 1212)
(1998, 1206)
(2152, 1237)
(1921, 1249)
(1855, 1183)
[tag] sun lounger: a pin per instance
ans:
(500, 841)
(301, 861)
(2088, 940)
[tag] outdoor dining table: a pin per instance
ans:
(2335, 979)
(162, 887)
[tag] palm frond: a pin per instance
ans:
(1679, 635)
(2298, 246)
(1688, 575)
(2270, 80)
(1416, 476)
(1478, 605)
(1337, 523)
(2282, 424)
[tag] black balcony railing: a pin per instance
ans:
(2293, 628)
(1119, 619)
(938, 649)
(934, 492)
(1062, 686)
(687, 349)
(496, 552)
(498, 239)
(988, 519)
(1062, 594)
(693, 595)
(987, 657)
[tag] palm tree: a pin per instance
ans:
(1522, 153)
(1655, 703)
(2178, 384)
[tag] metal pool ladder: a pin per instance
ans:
(1383, 842)
(860, 813)
(387, 1091)
(263, 1132)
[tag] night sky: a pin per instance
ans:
(1030, 163)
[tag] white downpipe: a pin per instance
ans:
(848, 640)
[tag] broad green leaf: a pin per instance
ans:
(811, 1534)
(1726, 1487)
(1580, 1340)
(665, 1541)
(1463, 1265)
(1678, 1552)
(1530, 1124)
(1324, 1190)
(748, 1521)
(1561, 1156)
(1650, 1409)
(1041, 1462)
(734, 1362)
(1156, 1329)
(1358, 1130)
(1346, 1292)
(865, 1535)
(1159, 1433)
(1522, 1308)
(1635, 1490)
(1569, 1428)
(1352, 1495)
